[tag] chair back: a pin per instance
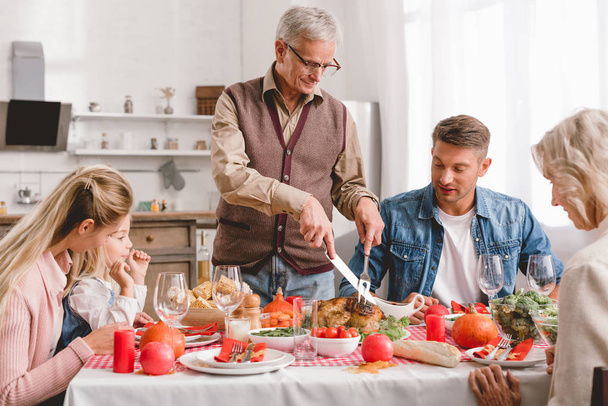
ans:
(599, 394)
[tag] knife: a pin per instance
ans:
(248, 352)
(186, 330)
(350, 277)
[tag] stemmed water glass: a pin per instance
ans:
(227, 290)
(490, 275)
(171, 298)
(541, 274)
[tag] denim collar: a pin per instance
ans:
(428, 205)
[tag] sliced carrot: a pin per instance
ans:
(274, 322)
(283, 317)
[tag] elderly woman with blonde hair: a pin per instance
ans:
(574, 157)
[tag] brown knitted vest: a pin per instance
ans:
(248, 237)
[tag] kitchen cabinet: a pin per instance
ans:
(172, 245)
(187, 129)
(168, 237)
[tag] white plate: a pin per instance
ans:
(187, 338)
(207, 356)
(191, 361)
(195, 341)
(203, 340)
(535, 356)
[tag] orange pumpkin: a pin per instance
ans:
(473, 329)
(162, 332)
(279, 304)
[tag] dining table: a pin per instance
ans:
(323, 381)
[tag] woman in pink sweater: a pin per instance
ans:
(79, 214)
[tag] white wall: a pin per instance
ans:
(103, 50)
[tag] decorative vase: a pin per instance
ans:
(168, 109)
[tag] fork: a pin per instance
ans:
(504, 343)
(364, 281)
(237, 348)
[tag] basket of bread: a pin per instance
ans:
(202, 309)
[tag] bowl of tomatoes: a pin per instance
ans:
(335, 342)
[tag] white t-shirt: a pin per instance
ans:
(457, 271)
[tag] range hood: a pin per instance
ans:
(27, 121)
(33, 125)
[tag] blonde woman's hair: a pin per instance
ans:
(88, 264)
(94, 192)
(574, 156)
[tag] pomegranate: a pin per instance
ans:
(156, 358)
(377, 347)
(437, 309)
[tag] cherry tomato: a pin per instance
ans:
(341, 328)
(321, 332)
(353, 332)
(331, 332)
(344, 334)
(315, 332)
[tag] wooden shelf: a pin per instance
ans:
(145, 152)
(138, 117)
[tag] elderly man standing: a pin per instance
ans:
(283, 151)
(434, 236)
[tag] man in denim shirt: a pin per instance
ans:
(433, 236)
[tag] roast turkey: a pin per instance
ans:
(347, 311)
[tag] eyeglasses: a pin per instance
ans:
(311, 67)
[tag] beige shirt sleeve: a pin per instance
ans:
(237, 183)
(244, 186)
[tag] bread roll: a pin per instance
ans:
(430, 352)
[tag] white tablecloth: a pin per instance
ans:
(403, 385)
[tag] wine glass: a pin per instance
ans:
(541, 274)
(490, 275)
(227, 290)
(171, 298)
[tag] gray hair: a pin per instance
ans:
(309, 23)
(574, 156)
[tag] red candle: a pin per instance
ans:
(435, 328)
(124, 351)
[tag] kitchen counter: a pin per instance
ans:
(168, 237)
(204, 219)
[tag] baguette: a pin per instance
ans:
(430, 352)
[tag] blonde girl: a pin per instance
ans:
(105, 285)
(78, 215)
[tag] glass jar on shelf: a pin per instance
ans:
(129, 105)
(172, 143)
